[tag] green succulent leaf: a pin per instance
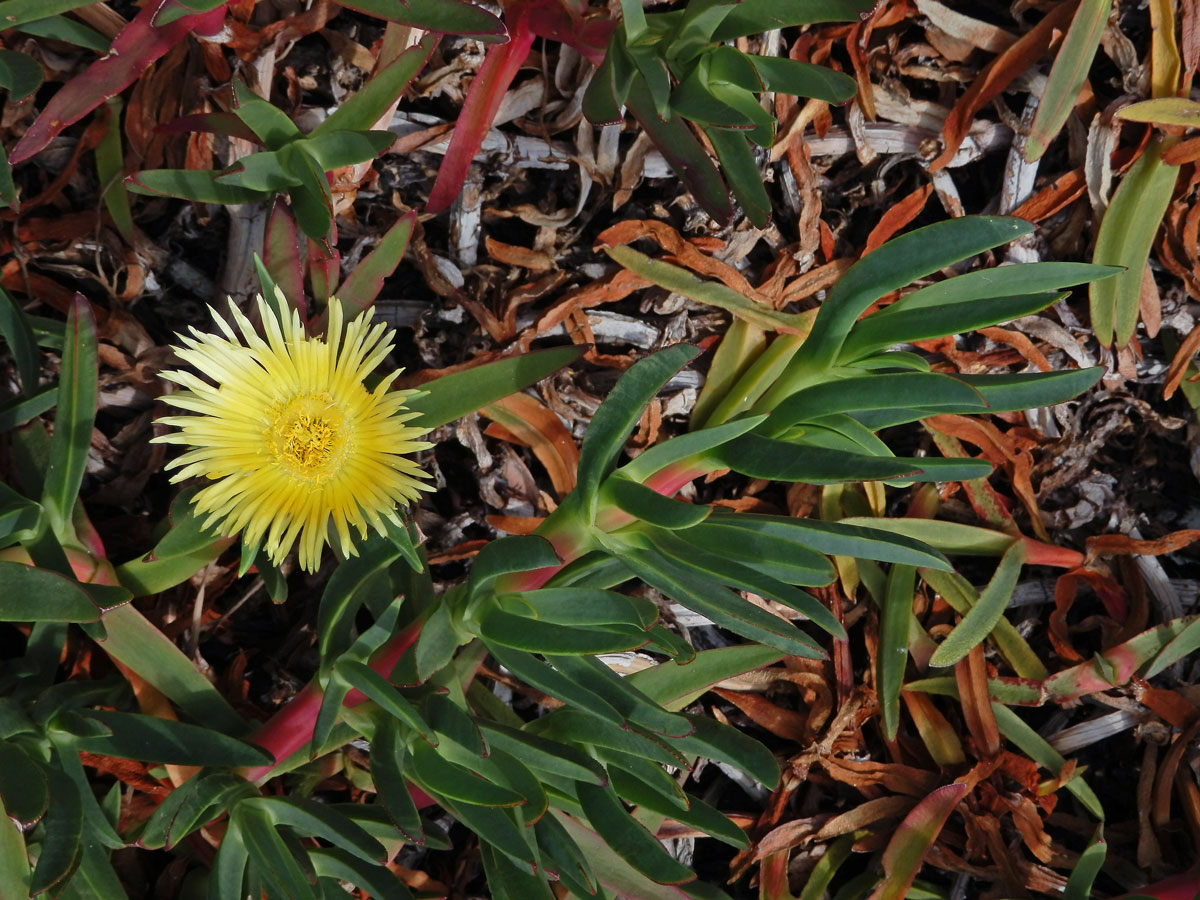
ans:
(63, 828)
(697, 814)
(622, 768)
(624, 697)
(272, 125)
(440, 16)
(858, 537)
(721, 605)
(24, 788)
(312, 200)
(499, 827)
(549, 680)
(684, 446)
(355, 582)
(1079, 885)
(588, 606)
(561, 854)
(756, 16)
(734, 571)
(1125, 240)
(685, 154)
(31, 594)
(229, 866)
(979, 621)
(962, 596)
(452, 722)
(713, 740)
(897, 263)
(189, 184)
(999, 282)
(509, 555)
(274, 857)
(875, 332)
(892, 653)
(18, 335)
(78, 385)
(610, 84)
(554, 759)
(264, 172)
(506, 881)
(782, 460)
(153, 739)
(928, 390)
(649, 505)
(313, 819)
(389, 756)
(695, 99)
(629, 837)
(377, 688)
(694, 32)
(336, 149)
(365, 107)
(534, 636)
(339, 865)
(618, 415)
(440, 638)
(801, 79)
(194, 803)
(20, 74)
(1032, 390)
(947, 537)
(675, 686)
(741, 169)
(453, 396)
(573, 726)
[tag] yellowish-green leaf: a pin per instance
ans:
(962, 596)
(1125, 237)
(1164, 52)
(673, 278)
(979, 621)
(892, 653)
(1178, 111)
(1068, 74)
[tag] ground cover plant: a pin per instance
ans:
(819, 542)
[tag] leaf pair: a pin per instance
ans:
(292, 162)
(264, 851)
(672, 68)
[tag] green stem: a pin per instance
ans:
(761, 374)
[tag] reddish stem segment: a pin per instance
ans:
(499, 68)
(292, 727)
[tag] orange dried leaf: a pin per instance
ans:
(971, 675)
(898, 215)
(1121, 544)
(997, 76)
(543, 432)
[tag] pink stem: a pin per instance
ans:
(1184, 886)
(139, 44)
(500, 67)
(292, 727)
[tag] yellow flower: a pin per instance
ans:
(292, 439)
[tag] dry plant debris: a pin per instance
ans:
(1101, 493)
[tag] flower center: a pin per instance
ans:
(307, 436)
